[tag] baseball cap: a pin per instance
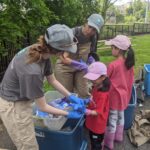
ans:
(96, 21)
(95, 70)
(120, 41)
(61, 37)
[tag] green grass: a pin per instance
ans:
(141, 46)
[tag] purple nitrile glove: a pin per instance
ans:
(79, 65)
(74, 114)
(90, 60)
(78, 107)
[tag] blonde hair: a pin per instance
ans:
(36, 50)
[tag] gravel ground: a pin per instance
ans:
(6, 143)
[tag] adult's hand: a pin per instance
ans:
(79, 65)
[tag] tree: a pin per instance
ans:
(105, 5)
(136, 11)
(18, 18)
(72, 12)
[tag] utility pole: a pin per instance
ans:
(146, 12)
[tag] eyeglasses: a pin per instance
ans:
(75, 42)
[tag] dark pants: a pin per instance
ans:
(96, 140)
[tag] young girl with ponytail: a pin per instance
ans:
(121, 75)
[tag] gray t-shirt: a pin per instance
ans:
(24, 81)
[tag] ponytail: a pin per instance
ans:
(130, 59)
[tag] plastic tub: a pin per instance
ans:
(147, 79)
(51, 122)
(70, 137)
(130, 111)
(55, 123)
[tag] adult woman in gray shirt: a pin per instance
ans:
(23, 83)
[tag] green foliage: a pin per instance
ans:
(72, 12)
(22, 20)
(19, 17)
(130, 19)
(136, 12)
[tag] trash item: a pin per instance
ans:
(61, 103)
(46, 120)
(50, 121)
(140, 130)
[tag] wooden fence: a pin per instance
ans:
(110, 31)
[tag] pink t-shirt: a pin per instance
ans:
(121, 84)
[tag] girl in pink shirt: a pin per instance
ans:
(121, 75)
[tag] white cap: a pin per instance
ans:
(96, 21)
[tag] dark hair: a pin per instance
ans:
(106, 85)
(130, 59)
(94, 55)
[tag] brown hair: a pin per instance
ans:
(36, 50)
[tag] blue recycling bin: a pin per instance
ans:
(147, 79)
(70, 137)
(130, 111)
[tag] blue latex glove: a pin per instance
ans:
(90, 60)
(79, 65)
(78, 107)
(74, 114)
(75, 99)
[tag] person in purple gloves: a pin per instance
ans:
(70, 73)
(23, 83)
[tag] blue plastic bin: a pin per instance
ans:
(130, 111)
(147, 79)
(70, 139)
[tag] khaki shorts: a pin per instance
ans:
(17, 118)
